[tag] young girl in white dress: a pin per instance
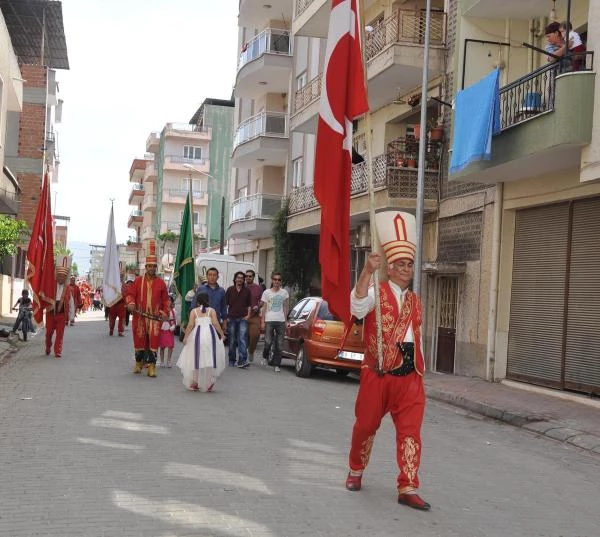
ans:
(202, 358)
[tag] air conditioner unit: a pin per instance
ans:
(363, 236)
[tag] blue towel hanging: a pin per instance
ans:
(476, 119)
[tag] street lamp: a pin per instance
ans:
(222, 237)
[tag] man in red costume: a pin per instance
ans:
(76, 293)
(148, 300)
(118, 309)
(393, 384)
(57, 315)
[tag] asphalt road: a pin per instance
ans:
(89, 449)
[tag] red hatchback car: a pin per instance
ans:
(313, 336)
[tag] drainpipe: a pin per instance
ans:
(494, 276)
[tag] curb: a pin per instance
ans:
(537, 424)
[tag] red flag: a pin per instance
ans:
(343, 99)
(40, 254)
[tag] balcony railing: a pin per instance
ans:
(10, 195)
(180, 196)
(136, 214)
(178, 159)
(308, 94)
(188, 127)
(137, 187)
(405, 26)
(302, 6)
(257, 206)
(274, 124)
(271, 40)
(534, 93)
(175, 227)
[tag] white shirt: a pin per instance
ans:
(360, 307)
(275, 302)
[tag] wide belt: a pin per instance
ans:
(408, 360)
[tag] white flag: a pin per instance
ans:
(111, 286)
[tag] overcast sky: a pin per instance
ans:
(134, 66)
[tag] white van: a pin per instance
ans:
(227, 265)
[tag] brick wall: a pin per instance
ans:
(460, 238)
(32, 138)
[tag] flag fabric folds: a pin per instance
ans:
(40, 255)
(343, 99)
(476, 119)
(184, 272)
(111, 284)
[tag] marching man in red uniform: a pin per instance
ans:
(57, 315)
(118, 308)
(148, 300)
(395, 387)
(76, 299)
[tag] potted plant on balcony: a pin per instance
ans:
(411, 161)
(436, 129)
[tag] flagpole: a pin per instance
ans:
(191, 207)
(370, 188)
(422, 149)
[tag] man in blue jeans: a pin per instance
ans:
(275, 305)
(239, 301)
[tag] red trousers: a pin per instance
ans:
(404, 399)
(118, 310)
(145, 333)
(55, 321)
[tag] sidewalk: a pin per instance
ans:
(570, 418)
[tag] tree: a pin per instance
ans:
(12, 232)
(296, 255)
(74, 269)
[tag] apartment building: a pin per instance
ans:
(542, 281)
(260, 157)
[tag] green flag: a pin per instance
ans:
(184, 272)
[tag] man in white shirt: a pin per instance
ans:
(391, 383)
(274, 305)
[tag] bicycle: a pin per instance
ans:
(26, 323)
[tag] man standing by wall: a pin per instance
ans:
(275, 305)
(256, 292)
(238, 302)
(148, 300)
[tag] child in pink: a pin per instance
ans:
(166, 339)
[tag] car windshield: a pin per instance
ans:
(324, 313)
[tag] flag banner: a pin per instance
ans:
(184, 272)
(40, 256)
(111, 279)
(343, 99)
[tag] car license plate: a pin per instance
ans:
(354, 356)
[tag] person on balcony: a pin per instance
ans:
(554, 41)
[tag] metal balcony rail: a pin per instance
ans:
(137, 187)
(180, 193)
(405, 26)
(269, 41)
(273, 124)
(148, 156)
(136, 214)
(178, 159)
(187, 127)
(256, 206)
(10, 194)
(534, 93)
(308, 94)
(302, 5)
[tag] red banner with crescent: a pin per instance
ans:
(343, 99)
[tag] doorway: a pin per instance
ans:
(447, 299)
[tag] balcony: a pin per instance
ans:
(507, 9)
(394, 186)
(148, 233)
(136, 194)
(149, 203)
(258, 13)
(175, 227)
(265, 64)
(180, 197)
(188, 131)
(394, 50)
(261, 140)
(135, 219)
(150, 173)
(134, 244)
(306, 107)
(311, 18)
(546, 119)
(137, 170)
(153, 142)
(9, 201)
(252, 216)
(179, 163)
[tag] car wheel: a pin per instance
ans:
(303, 365)
(342, 372)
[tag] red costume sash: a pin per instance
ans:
(394, 326)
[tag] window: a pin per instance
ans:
(196, 217)
(196, 184)
(298, 172)
(301, 81)
(297, 309)
(193, 152)
(307, 310)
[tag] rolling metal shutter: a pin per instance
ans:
(582, 356)
(535, 339)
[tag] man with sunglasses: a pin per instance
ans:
(275, 304)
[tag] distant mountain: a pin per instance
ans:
(81, 255)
